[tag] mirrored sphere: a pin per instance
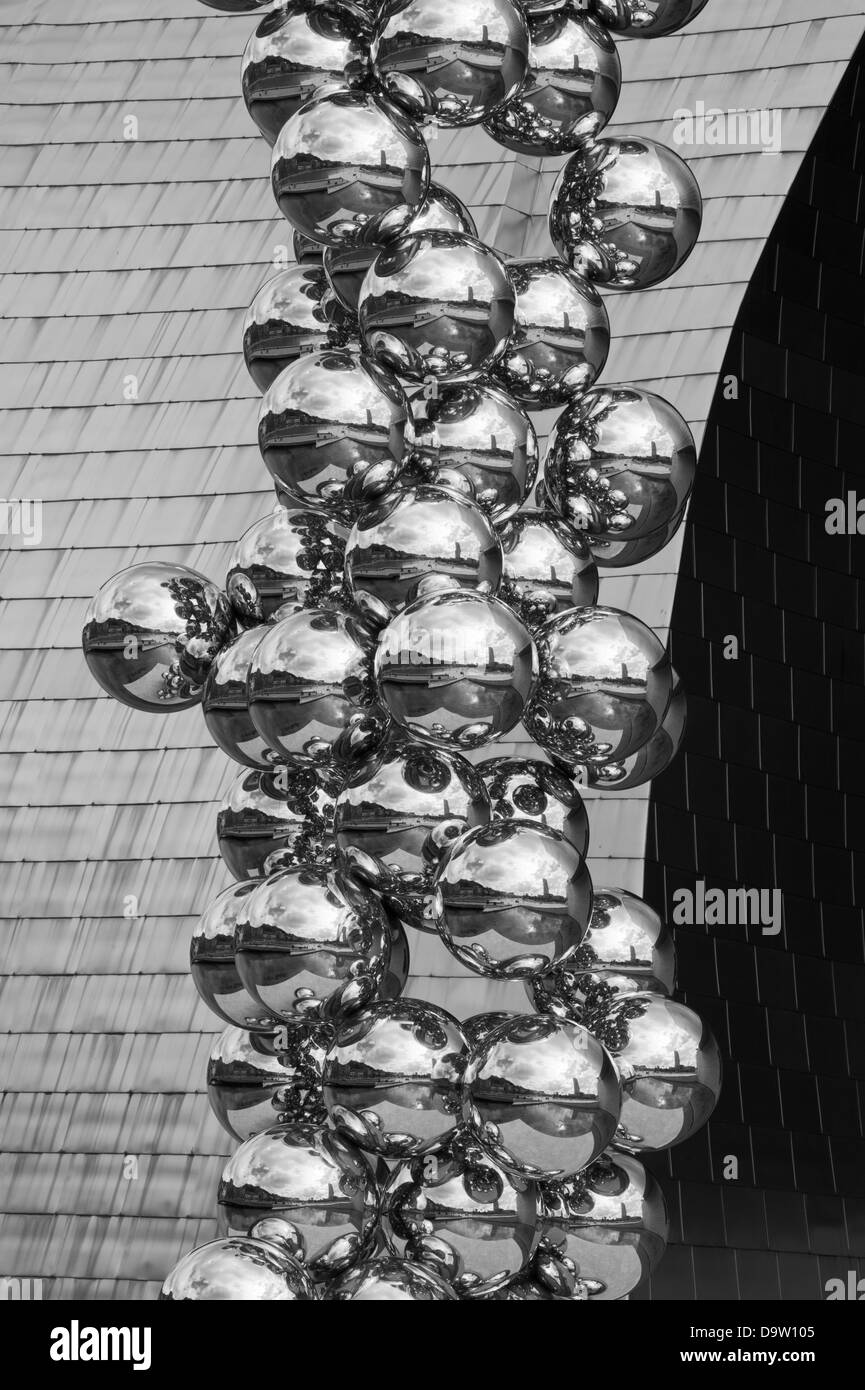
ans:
(451, 61)
(294, 556)
(398, 817)
(392, 1078)
(654, 757)
(151, 634)
(287, 812)
(292, 314)
(346, 266)
(543, 1097)
(347, 166)
(310, 942)
(670, 1068)
(300, 50)
(237, 1269)
(305, 250)
(610, 552)
(464, 1216)
(249, 1087)
(236, 6)
(316, 1181)
(561, 335)
(512, 899)
(311, 693)
(224, 704)
(481, 432)
(625, 212)
(212, 965)
(647, 19)
(571, 89)
(480, 1026)
(436, 305)
(389, 1281)
(529, 790)
(606, 683)
(548, 567)
(456, 669)
(414, 533)
(333, 430)
(620, 463)
(610, 1222)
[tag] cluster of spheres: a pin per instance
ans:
(424, 588)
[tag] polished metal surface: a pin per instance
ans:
(436, 305)
(625, 212)
(397, 818)
(285, 815)
(654, 757)
(571, 88)
(389, 1281)
(392, 1078)
(292, 314)
(561, 335)
(646, 19)
(301, 50)
(249, 1087)
(529, 790)
(452, 62)
(238, 1269)
(543, 1097)
(348, 167)
(461, 1214)
(481, 432)
(456, 669)
(224, 703)
(548, 567)
(605, 686)
(333, 430)
(512, 899)
(293, 556)
(213, 968)
(151, 634)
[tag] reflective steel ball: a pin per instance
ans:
(606, 683)
(151, 634)
(542, 1097)
(291, 315)
(286, 813)
(654, 757)
(238, 1269)
(646, 19)
(528, 790)
(398, 817)
(306, 251)
(571, 89)
(480, 1026)
(292, 556)
(436, 305)
(300, 50)
(561, 335)
(348, 166)
(389, 1281)
(212, 965)
(625, 212)
(249, 1086)
(453, 62)
(225, 707)
(392, 1078)
(456, 670)
(548, 567)
(612, 552)
(333, 430)
(317, 1182)
(512, 899)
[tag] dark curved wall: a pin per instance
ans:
(770, 791)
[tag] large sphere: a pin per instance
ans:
(571, 89)
(311, 943)
(225, 707)
(463, 1215)
(482, 432)
(291, 556)
(392, 1078)
(610, 1223)
(625, 212)
(249, 1086)
(620, 463)
(320, 1183)
(283, 816)
(422, 531)
(398, 817)
(213, 968)
(654, 757)
(151, 634)
(512, 900)
(348, 167)
(613, 552)
(670, 1068)
(543, 1097)
(529, 790)
(390, 1281)
(437, 305)
(561, 335)
(456, 669)
(292, 314)
(548, 567)
(333, 430)
(311, 693)
(346, 266)
(646, 19)
(238, 1269)
(606, 682)
(301, 50)
(451, 61)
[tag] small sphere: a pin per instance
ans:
(292, 314)
(529, 790)
(547, 567)
(225, 706)
(646, 19)
(285, 812)
(211, 959)
(249, 1086)
(291, 556)
(237, 1269)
